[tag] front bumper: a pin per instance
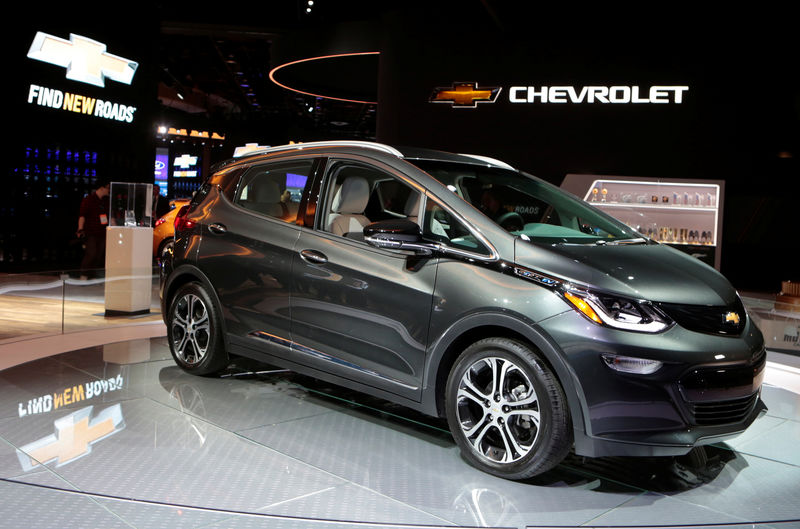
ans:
(707, 390)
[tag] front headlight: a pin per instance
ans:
(617, 312)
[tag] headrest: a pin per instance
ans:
(266, 191)
(352, 196)
(412, 204)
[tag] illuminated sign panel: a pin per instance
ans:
(86, 60)
(202, 134)
(162, 161)
(56, 99)
(161, 171)
(468, 95)
(186, 166)
(465, 95)
(597, 94)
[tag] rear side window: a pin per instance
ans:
(227, 180)
(274, 189)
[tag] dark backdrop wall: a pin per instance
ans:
(738, 122)
(55, 156)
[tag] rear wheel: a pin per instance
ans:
(194, 331)
(506, 409)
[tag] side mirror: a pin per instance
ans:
(397, 234)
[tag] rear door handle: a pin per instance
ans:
(217, 228)
(313, 257)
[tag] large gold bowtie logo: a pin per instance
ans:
(465, 95)
(74, 436)
(86, 60)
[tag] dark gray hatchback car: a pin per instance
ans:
(462, 288)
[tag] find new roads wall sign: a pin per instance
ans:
(85, 61)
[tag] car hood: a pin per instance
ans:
(655, 272)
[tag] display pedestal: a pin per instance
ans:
(129, 273)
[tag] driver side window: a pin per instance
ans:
(359, 194)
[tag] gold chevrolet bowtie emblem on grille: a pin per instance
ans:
(75, 434)
(732, 317)
(464, 95)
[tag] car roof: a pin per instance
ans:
(348, 146)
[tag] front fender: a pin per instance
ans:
(444, 350)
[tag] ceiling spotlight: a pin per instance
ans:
(308, 10)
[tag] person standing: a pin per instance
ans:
(160, 204)
(92, 222)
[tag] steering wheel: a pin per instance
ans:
(511, 221)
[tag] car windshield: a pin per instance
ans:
(529, 207)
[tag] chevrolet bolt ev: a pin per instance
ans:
(462, 288)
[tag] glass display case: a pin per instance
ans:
(686, 214)
(131, 204)
(129, 249)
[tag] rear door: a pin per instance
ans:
(249, 236)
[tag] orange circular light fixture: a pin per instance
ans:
(273, 72)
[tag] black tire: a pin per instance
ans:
(194, 331)
(491, 427)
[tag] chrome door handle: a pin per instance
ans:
(217, 228)
(313, 257)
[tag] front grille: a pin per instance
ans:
(723, 394)
(723, 411)
(708, 319)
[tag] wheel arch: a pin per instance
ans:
(444, 352)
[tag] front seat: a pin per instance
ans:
(348, 207)
(412, 214)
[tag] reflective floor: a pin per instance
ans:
(118, 436)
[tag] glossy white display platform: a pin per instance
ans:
(260, 447)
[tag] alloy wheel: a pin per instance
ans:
(498, 410)
(191, 329)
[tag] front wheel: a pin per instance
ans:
(506, 409)
(194, 331)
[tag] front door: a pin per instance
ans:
(358, 311)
